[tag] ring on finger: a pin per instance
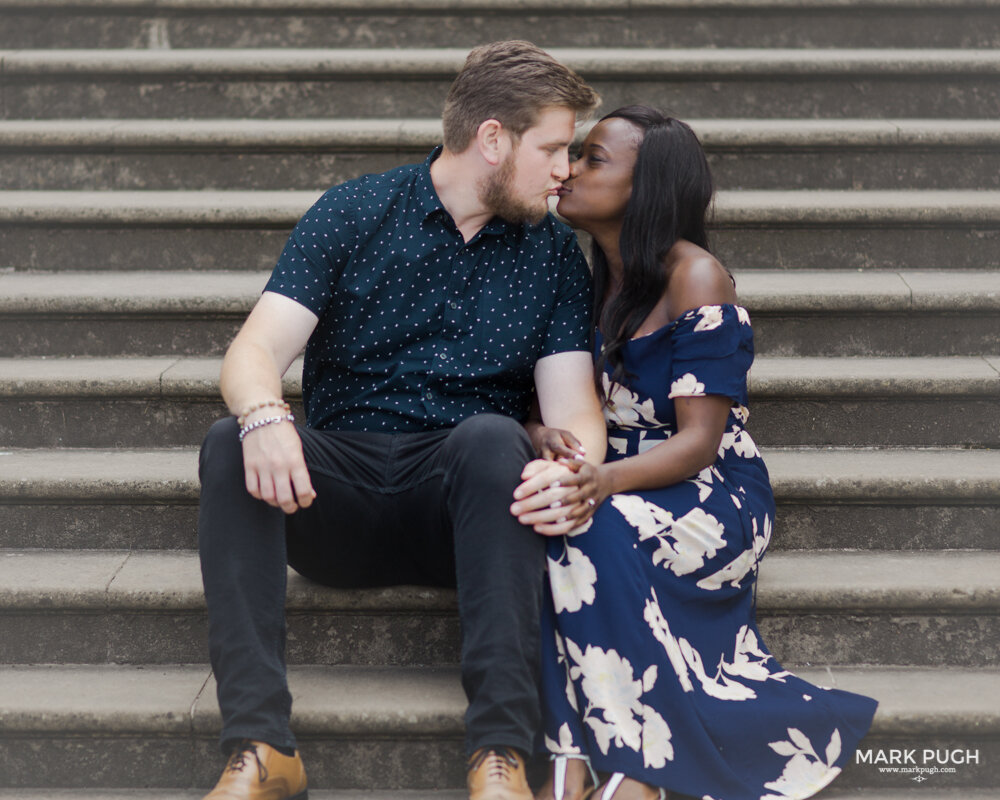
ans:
(591, 502)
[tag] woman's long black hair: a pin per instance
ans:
(671, 192)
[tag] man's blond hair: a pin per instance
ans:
(511, 82)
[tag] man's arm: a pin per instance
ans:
(567, 399)
(270, 339)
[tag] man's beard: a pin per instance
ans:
(497, 195)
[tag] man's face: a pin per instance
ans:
(520, 188)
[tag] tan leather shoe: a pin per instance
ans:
(256, 771)
(497, 774)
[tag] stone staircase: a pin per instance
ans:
(148, 179)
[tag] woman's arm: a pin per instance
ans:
(701, 421)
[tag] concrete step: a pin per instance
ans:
(115, 727)
(247, 230)
(437, 23)
(828, 498)
(835, 792)
(855, 313)
(795, 312)
(301, 154)
(872, 607)
(412, 82)
(168, 401)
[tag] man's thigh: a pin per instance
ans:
(367, 526)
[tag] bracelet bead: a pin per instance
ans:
(264, 421)
(264, 404)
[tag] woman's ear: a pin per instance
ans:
(491, 139)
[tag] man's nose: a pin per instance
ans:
(561, 168)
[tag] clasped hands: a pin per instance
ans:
(560, 491)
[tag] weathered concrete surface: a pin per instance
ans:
(282, 83)
(341, 712)
(795, 312)
(306, 154)
(753, 229)
(937, 608)
(84, 402)
(841, 581)
(550, 24)
(827, 498)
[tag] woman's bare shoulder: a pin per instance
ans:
(697, 278)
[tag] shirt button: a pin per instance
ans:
(429, 395)
(452, 304)
(442, 356)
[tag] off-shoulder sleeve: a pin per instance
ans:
(712, 352)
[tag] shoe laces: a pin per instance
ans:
(240, 759)
(500, 762)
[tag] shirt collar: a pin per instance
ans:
(431, 204)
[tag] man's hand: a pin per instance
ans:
(555, 497)
(275, 468)
(270, 339)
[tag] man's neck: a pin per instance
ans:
(456, 179)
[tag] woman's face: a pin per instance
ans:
(600, 181)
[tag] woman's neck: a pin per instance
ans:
(607, 240)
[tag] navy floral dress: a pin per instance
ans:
(652, 662)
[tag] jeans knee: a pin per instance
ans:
(221, 450)
(492, 434)
(489, 450)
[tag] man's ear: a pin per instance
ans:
(493, 141)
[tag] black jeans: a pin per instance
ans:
(410, 508)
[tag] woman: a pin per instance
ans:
(653, 666)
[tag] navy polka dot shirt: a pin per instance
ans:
(417, 328)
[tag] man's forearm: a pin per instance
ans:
(249, 377)
(592, 432)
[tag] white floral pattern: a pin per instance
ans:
(623, 409)
(687, 385)
(736, 570)
(739, 441)
(749, 661)
(695, 536)
(564, 746)
(615, 711)
(805, 773)
(561, 659)
(711, 318)
(572, 579)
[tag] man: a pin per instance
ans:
(432, 301)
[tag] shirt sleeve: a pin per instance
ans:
(317, 250)
(712, 353)
(570, 324)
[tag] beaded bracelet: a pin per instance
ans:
(260, 423)
(265, 404)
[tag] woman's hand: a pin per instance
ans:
(552, 444)
(557, 497)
